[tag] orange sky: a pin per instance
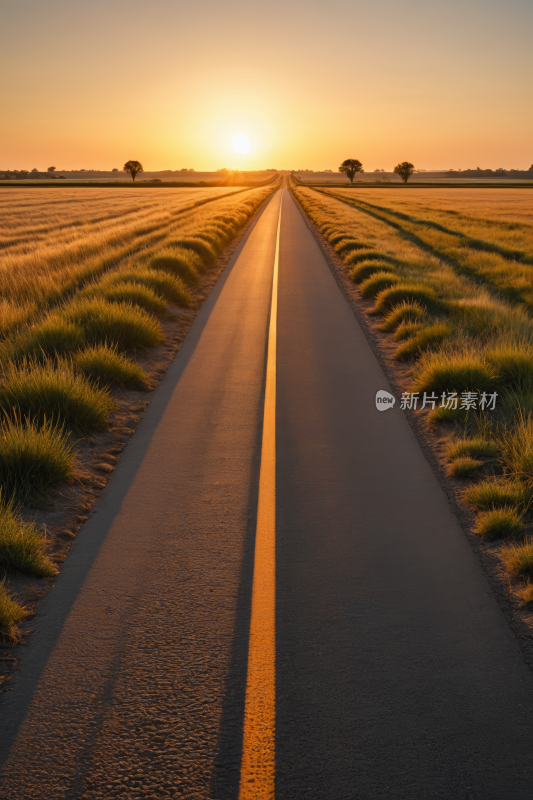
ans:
(92, 83)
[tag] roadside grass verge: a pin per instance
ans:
(377, 282)
(33, 461)
(464, 467)
(105, 366)
(131, 292)
(127, 327)
(518, 559)
(11, 613)
(22, 547)
(497, 493)
(403, 313)
(54, 392)
(54, 336)
(178, 263)
(184, 264)
(499, 523)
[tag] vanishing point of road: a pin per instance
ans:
(273, 598)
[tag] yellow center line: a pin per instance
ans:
(258, 765)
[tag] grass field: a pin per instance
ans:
(87, 277)
(449, 274)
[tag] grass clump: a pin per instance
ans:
(513, 362)
(489, 494)
(347, 245)
(477, 447)
(445, 414)
(402, 313)
(205, 251)
(407, 330)
(54, 392)
(115, 323)
(22, 546)
(377, 282)
(441, 372)
(178, 264)
(525, 594)
(11, 613)
(54, 336)
(368, 255)
(464, 467)
(518, 559)
(33, 460)
(136, 294)
(408, 293)
(420, 340)
(499, 523)
(367, 268)
(516, 448)
(105, 366)
(164, 283)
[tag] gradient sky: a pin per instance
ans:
(92, 83)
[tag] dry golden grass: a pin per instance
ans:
(68, 265)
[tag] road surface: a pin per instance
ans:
(396, 674)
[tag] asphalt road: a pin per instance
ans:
(397, 675)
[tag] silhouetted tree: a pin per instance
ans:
(51, 169)
(404, 170)
(350, 167)
(133, 167)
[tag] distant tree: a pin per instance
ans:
(51, 169)
(114, 169)
(350, 167)
(404, 170)
(35, 169)
(133, 167)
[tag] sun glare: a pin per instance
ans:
(241, 143)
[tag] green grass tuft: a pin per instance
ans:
(115, 323)
(464, 467)
(442, 372)
(402, 313)
(516, 448)
(443, 414)
(496, 493)
(513, 363)
(206, 252)
(54, 336)
(11, 613)
(477, 447)
(105, 366)
(407, 330)
(518, 559)
(367, 268)
(499, 523)
(408, 293)
(22, 546)
(164, 283)
(349, 245)
(54, 392)
(423, 339)
(33, 460)
(377, 282)
(369, 255)
(133, 293)
(175, 263)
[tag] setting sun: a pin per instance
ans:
(241, 143)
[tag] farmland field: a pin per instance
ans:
(447, 275)
(90, 280)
